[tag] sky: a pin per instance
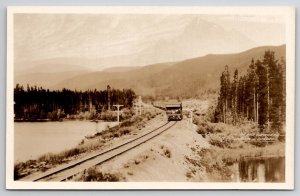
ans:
(111, 40)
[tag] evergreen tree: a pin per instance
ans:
(274, 90)
(262, 92)
(258, 96)
(251, 91)
(222, 97)
(38, 103)
(234, 93)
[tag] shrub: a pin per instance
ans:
(167, 152)
(126, 114)
(93, 175)
(73, 152)
(17, 171)
(108, 116)
(188, 174)
(216, 140)
(127, 123)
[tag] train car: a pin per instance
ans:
(174, 111)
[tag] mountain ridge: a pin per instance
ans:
(186, 78)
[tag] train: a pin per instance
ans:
(173, 110)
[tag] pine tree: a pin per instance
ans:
(227, 93)
(234, 93)
(281, 94)
(251, 91)
(282, 79)
(262, 93)
(274, 91)
(258, 96)
(222, 97)
(240, 108)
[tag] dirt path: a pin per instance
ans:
(161, 159)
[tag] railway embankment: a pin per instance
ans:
(163, 158)
(99, 141)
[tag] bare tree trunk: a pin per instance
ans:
(226, 110)
(268, 108)
(224, 117)
(257, 112)
(235, 104)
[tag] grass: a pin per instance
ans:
(49, 160)
(104, 115)
(126, 127)
(229, 136)
(231, 143)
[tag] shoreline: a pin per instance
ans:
(62, 120)
(44, 130)
(89, 144)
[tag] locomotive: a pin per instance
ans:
(174, 111)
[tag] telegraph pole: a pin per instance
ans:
(118, 112)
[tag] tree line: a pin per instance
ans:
(32, 102)
(257, 96)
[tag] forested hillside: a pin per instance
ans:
(184, 79)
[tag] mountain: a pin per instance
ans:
(186, 78)
(120, 69)
(132, 41)
(156, 40)
(46, 80)
(52, 66)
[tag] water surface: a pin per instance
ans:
(33, 139)
(263, 169)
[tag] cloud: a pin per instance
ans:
(92, 36)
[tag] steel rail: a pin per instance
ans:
(39, 178)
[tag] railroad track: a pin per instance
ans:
(65, 172)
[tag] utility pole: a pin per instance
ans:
(118, 112)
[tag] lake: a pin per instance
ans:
(33, 139)
(263, 169)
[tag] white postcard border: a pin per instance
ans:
(287, 12)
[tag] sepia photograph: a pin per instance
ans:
(150, 97)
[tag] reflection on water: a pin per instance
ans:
(267, 169)
(33, 139)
